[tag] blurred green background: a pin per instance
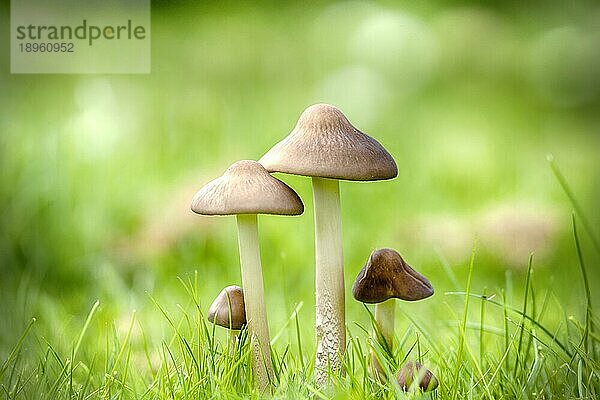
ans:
(97, 171)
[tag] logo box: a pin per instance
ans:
(85, 37)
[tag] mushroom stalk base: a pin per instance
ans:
(233, 341)
(330, 323)
(256, 313)
(384, 318)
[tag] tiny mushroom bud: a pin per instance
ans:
(324, 145)
(386, 276)
(227, 310)
(247, 189)
(413, 375)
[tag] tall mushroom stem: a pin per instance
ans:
(330, 323)
(384, 318)
(254, 300)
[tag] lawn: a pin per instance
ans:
(491, 112)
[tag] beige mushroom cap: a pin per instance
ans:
(247, 188)
(325, 144)
(386, 275)
(230, 298)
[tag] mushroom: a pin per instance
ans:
(325, 146)
(228, 311)
(413, 375)
(247, 189)
(384, 277)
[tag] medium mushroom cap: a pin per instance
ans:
(230, 298)
(414, 370)
(387, 275)
(325, 144)
(247, 188)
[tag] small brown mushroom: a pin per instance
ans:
(227, 310)
(413, 375)
(384, 277)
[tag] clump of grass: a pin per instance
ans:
(532, 350)
(522, 357)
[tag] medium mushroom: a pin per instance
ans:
(325, 146)
(228, 311)
(413, 375)
(384, 277)
(247, 189)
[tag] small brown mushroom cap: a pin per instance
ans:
(325, 144)
(386, 275)
(230, 298)
(247, 188)
(414, 370)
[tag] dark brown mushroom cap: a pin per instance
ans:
(325, 144)
(414, 370)
(230, 298)
(247, 188)
(387, 275)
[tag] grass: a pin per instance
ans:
(524, 358)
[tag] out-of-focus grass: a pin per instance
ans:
(97, 171)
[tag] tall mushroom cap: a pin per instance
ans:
(230, 298)
(386, 275)
(247, 188)
(325, 144)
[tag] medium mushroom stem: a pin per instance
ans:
(254, 300)
(384, 317)
(330, 324)
(233, 340)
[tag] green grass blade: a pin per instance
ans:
(589, 324)
(86, 325)
(462, 328)
(16, 348)
(524, 312)
(578, 209)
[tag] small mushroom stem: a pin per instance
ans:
(384, 318)
(256, 313)
(330, 323)
(233, 340)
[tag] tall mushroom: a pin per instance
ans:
(325, 146)
(384, 277)
(247, 189)
(228, 311)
